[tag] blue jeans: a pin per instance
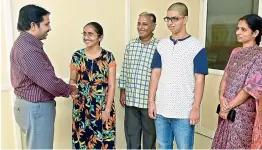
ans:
(36, 121)
(168, 129)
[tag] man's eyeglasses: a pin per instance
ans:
(173, 19)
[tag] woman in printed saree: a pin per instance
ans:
(93, 70)
(241, 88)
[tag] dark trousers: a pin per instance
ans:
(136, 122)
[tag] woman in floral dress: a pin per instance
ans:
(93, 69)
(241, 90)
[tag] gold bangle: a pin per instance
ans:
(151, 99)
(74, 85)
(220, 90)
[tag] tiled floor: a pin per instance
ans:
(63, 132)
(201, 142)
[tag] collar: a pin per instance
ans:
(32, 39)
(151, 41)
(175, 40)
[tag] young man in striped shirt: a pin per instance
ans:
(34, 80)
(134, 84)
(179, 67)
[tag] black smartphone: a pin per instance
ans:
(231, 114)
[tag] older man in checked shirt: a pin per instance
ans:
(134, 84)
(34, 80)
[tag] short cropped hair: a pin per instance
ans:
(181, 8)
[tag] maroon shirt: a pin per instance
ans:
(32, 74)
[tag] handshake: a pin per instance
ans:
(73, 90)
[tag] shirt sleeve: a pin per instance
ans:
(111, 61)
(123, 74)
(39, 69)
(201, 63)
(156, 62)
(75, 61)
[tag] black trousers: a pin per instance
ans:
(137, 122)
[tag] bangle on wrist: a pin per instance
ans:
(220, 90)
(74, 85)
(151, 100)
(107, 109)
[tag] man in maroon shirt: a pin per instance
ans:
(34, 80)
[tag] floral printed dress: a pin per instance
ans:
(88, 131)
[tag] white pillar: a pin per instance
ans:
(9, 36)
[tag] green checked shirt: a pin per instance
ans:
(136, 71)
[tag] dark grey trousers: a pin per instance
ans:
(136, 122)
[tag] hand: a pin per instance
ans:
(223, 115)
(224, 105)
(122, 98)
(152, 109)
(194, 115)
(105, 115)
(73, 90)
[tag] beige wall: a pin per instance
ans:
(7, 129)
(159, 8)
(210, 101)
(67, 21)
(4, 59)
(7, 125)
